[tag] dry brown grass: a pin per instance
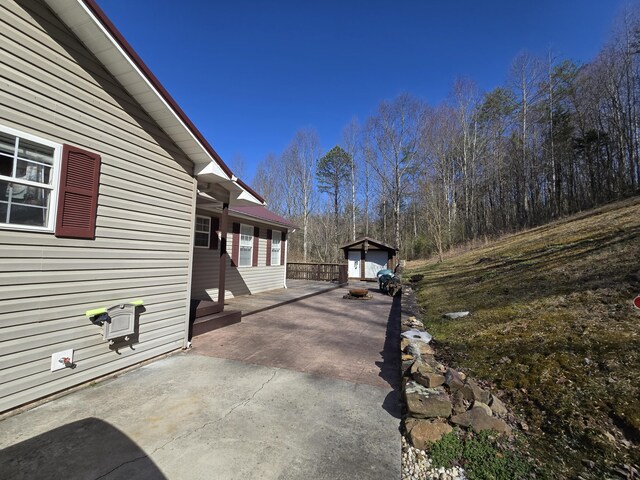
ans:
(553, 326)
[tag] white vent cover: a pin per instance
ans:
(122, 323)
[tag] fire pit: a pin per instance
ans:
(357, 294)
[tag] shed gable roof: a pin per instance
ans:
(360, 243)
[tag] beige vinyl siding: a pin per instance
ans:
(240, 280)
(52, 87)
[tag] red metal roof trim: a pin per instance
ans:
(111, 28)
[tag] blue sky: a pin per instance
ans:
(251, 73)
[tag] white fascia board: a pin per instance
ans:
(85, 25)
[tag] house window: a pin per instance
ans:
(203, 231)
(276, 238)
(28, 180)
(246, 246)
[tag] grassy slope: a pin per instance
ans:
(553, 326)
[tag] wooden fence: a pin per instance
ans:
(320, 272)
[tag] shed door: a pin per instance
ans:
(376, 261)
(354, 263)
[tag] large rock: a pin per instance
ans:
(419, 348)
(453, 380)
(406, 366)
(424, 432)
(478, 420)
(458, 402)
(417, 335)
(425, 402)
(431, 360)
(484, 407)
(497, 406)
(421, 365)
(454, 315)
(426, 371)
(425, 375)
(473, 392)
(413, 322)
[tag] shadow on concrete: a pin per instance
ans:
(86, 449)
(391, 360)
(293, 300)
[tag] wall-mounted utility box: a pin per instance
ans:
(118, 321)
(122, 322)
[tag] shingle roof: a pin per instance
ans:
(261, 213)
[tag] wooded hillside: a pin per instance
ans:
(557, 138)
(554, 330)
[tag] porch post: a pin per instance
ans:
(224, 256)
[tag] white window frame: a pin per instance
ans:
(276, 250)
(245, 244)
(53, 187)
(208, 232)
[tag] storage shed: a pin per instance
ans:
(367, 256)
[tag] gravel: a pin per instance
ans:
(416, 465)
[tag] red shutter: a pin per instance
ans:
(78, 193)
(269, 237)
(213, 236)
(283, 247)
(235, 248)
(256, 243)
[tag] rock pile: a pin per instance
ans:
(438, 398)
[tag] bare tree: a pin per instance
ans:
(350, 135)
(269, 182)
(466, 101)
(555, 139)
(394, 131)
(300, 159)
(526, 73)
(239, 165)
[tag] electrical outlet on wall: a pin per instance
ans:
(60, 360)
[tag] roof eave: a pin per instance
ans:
(288, 227)
(94, 29)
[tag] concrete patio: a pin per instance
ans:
(296, 290)
(304, 389)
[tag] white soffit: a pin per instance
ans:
(246, 198)
(84, 24)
